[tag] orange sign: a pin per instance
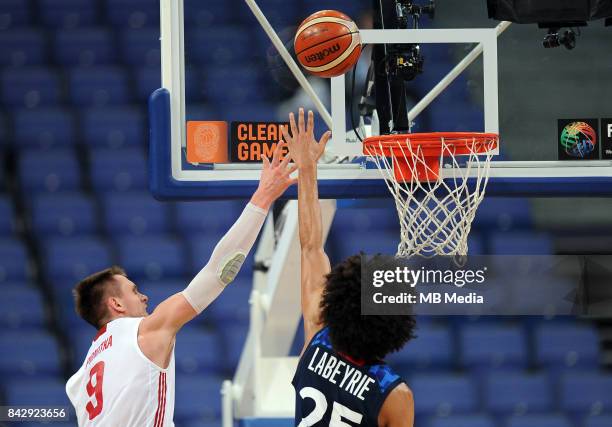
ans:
(252, 140)
(207, 142)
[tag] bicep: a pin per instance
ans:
(170, 315)
(314, 267)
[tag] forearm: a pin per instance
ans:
(227, 258)
(311, 233)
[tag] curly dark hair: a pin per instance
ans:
(369, 338)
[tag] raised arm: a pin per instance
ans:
(158, 329)
(305, 151)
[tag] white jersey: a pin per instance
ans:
(117, 385)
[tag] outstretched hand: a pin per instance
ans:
(303, 147)
(275, 178)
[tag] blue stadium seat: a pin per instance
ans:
(111, 171)
(133, 13)
(22, 47)
(14, 263)
(134, 213)
(201, 247)
(539, 421)
(147, 80)
(347, 244)
(521, 244)
(503, 214)
(586, 393)
(518, 394)
(234, 339)
(30, 87)
(152, 258)
(141, 47)
(203, 217)
(232, 306)
(64, 214)
(14, 13)
(363, 220)
(235, 85)
(98, 87)
(281, 14)
(21, 307)
(117, 127)
(352, 8)
(84, 47)
(50, 172)
(432, 349)
(444, 395)
(44, 128)
(567, 346)
(463, 421)
(199, 111)
(493, 346)
(446, 119)
(70, 259)
(68, 13)
(45, 391)
(212, 13)
(603, 421)
(157, 291)
(197, 397)
(34, 354)
(251, 111)
(197, 352)
(224, 46)
(7, 218)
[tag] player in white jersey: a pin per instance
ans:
(127, 377)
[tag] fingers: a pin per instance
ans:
(285, 161)
(324, 139)
(285, 135)
(292, 169)
(277, 153)
(266, 162)
(310, 126)
(294, 129)
(301, 121)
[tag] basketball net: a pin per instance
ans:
(435, 209)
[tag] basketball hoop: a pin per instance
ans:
(435, 207)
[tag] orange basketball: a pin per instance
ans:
(327, 43)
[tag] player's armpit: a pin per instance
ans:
(398, 409)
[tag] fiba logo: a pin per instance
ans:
(578, 139)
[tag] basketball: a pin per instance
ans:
(327, 43)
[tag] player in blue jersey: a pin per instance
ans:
(341, 379)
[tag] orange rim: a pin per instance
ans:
(401, 148)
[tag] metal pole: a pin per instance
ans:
(451, 76)
(278, 44)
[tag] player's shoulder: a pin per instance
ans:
(398, 408)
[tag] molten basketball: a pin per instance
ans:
(327, 43)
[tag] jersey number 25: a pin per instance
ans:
(339, 411)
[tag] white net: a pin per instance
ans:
(435, 214)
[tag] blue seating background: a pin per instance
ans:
(74, 79)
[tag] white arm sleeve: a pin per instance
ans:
(226, 259)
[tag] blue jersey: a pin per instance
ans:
(331, 389)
